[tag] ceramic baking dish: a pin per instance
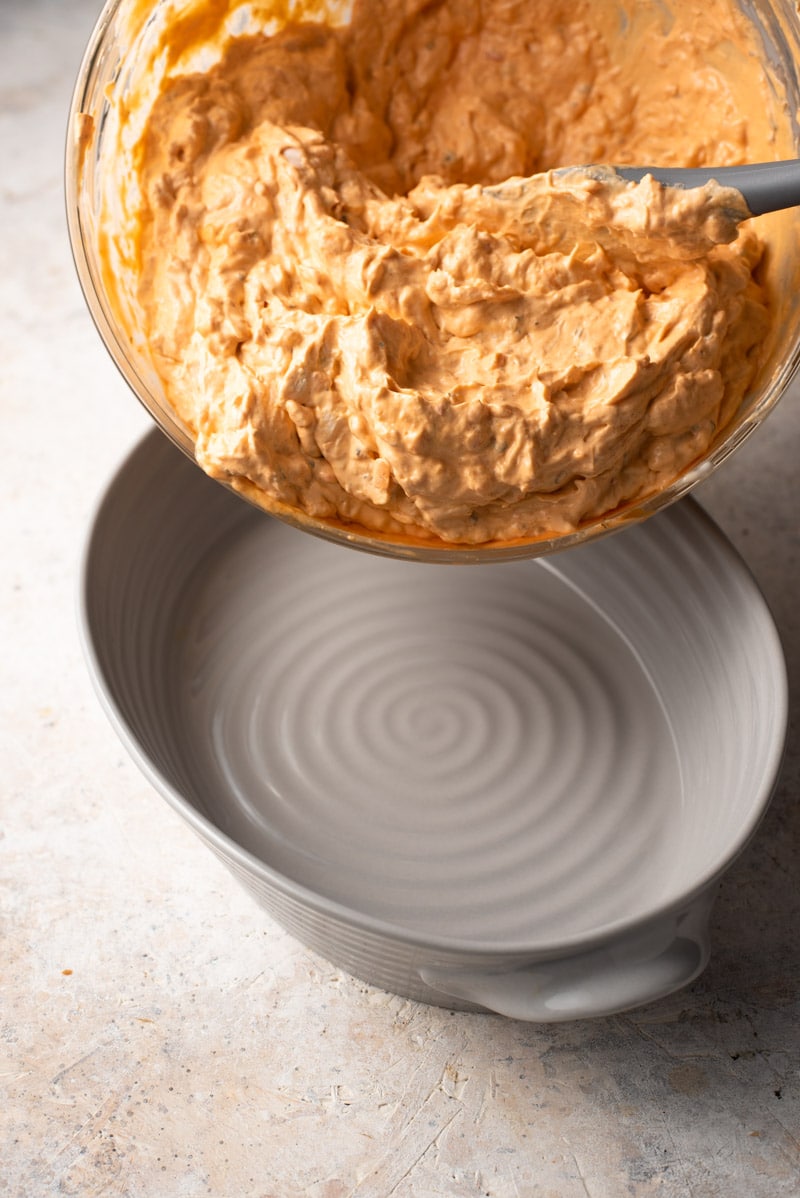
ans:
(511, 787)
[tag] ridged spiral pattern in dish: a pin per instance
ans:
(482, 755)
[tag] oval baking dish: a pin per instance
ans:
(517, 795)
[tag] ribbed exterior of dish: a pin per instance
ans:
(388, 963)
(672, 601)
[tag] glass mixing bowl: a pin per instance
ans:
(119, 64)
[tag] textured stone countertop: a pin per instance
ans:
(160, 1035)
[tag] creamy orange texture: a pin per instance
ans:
(371, 297)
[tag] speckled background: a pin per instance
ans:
(160, 1036)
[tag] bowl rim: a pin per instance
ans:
(234, 854)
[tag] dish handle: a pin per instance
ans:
(624, 973)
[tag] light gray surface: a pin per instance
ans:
(194, 1048)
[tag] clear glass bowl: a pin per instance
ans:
(112, 70)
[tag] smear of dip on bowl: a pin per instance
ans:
(372, 298)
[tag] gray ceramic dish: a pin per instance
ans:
(513, 789)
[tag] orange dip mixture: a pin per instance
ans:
(371, 297)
